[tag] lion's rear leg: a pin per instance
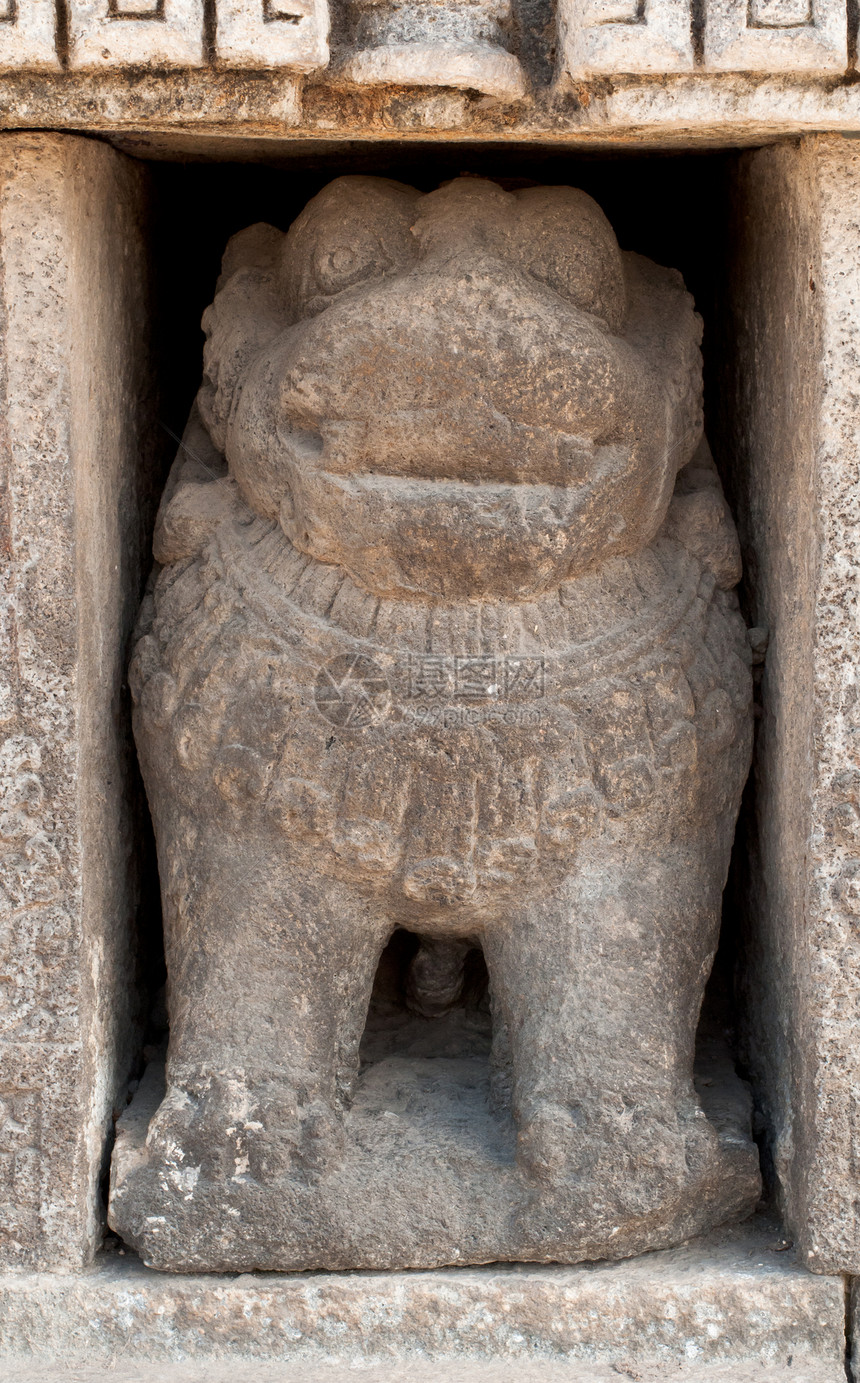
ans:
(271, 965)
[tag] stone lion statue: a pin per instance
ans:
(442, 638)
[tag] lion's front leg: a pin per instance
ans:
(271, 965)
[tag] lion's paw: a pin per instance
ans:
(222, 1129)
(649, 1150)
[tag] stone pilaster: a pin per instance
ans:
(790, 439)
(73, 380)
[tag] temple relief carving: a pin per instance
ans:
(776, 36)
(602, 36)
(27, 36)
(473, 46)
(273, 33)
(133, 33)
(443, 706)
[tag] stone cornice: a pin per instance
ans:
(714, 73)
(164, 113)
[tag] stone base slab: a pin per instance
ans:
(732, 1306)
(475, 1372)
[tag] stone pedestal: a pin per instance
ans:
(790, 417)
(73, 396)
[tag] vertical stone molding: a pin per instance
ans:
(603, 36)
(791, 434)
(28, 35)
(136, 33)
(72, 377)
(273, 33)
(804, 36)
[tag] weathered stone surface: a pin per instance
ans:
(776, 35)
(469, 66)
(273, 33)
(431, 43)
(449, 645)
(603, 36)
(73, 376)
(216, 114)
(136, 33)
(790, 435)
(498, 1371)
(732, 71)
(28, 35)
(735, 1305)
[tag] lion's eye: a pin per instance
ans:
(340, 266)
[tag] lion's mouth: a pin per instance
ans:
(450, 538)
(431, 445)
(445, 520)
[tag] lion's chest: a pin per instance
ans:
(449, 751)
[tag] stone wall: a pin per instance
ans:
(789, 437)
(73, 452)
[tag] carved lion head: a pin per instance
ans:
(465, 392)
